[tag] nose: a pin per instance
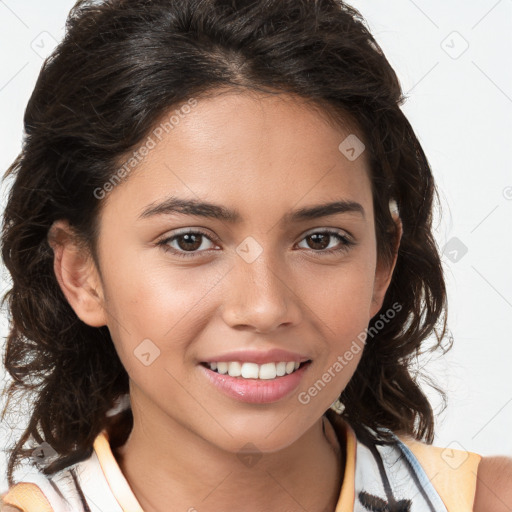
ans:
(260, 296)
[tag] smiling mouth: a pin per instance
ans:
(247, 370)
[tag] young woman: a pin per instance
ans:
(219, 237)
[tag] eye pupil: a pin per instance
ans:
(188, 237)
(325, 242)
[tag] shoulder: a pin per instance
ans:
(39, 492)
(451, 471)
(26, 496)
(494, 485)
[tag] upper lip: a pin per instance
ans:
(258, 356)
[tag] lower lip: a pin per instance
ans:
(256, 391)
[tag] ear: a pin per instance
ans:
(384, 272)
(77, 274)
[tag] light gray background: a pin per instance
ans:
(453, 61)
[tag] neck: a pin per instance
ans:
(190, 473)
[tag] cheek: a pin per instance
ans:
(156, 302)
(340, 311)
(340, 297)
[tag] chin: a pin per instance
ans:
(261, 435)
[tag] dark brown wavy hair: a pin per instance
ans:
(121, 66)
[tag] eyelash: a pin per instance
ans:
(346, 242)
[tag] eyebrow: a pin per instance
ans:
(175, 205)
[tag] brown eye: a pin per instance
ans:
(320, 241)
(189, 241)
(185, 244)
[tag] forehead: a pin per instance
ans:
(253, 150)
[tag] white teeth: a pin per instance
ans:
(250, 371)
(290, 367)
(280, 369)
(234, 369)
(265, 371)
(222, 367)
(268, 371)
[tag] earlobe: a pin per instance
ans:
(384, 272)
(77, 275)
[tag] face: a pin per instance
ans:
(181, 286)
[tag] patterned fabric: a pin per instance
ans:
(389, 478)
(377, 478)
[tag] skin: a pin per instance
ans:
(263, 156)
(494, 485)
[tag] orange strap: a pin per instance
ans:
(26, 496)
(453, 473)
(347, 496)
